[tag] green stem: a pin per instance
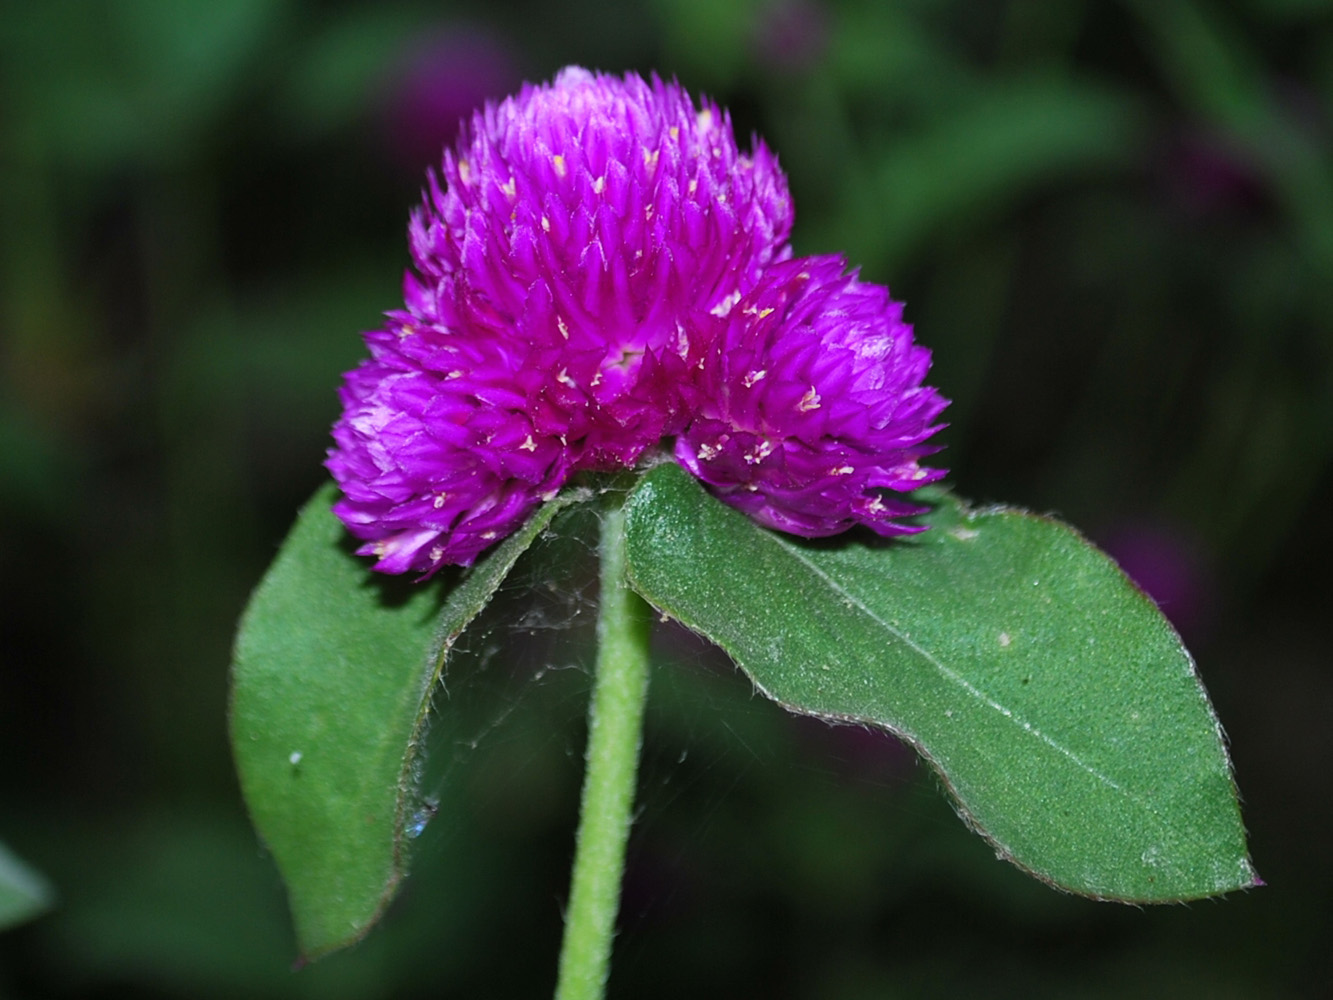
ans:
(615, 726)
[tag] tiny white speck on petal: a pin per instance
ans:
(726, 305)
(752, 377)
(758, 453)
(810, 401)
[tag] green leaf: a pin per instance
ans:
(1053, 698)
(331, 684)
(24, 893)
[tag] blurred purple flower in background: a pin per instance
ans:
(861, 755)
(599, 266)
(792, 35)
(1170, 567)
(1205, 172)
(437, 84)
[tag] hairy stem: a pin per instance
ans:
(615, 727)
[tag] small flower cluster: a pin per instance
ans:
(603, 268)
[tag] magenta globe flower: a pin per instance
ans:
(581, 224)
(548, 326)
(813, 405)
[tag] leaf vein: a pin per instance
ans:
(952, 675)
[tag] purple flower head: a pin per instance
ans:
(813, 404)
(436, 452)
(580, 224)
(548, 326)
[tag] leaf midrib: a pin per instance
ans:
(853, 601)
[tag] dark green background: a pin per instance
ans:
(1113, 221)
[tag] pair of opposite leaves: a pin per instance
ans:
(1054, 699)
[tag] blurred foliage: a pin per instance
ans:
(24, 894)
(1111, 219)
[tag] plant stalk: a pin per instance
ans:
(615, 732)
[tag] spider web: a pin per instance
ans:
(506, 741)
